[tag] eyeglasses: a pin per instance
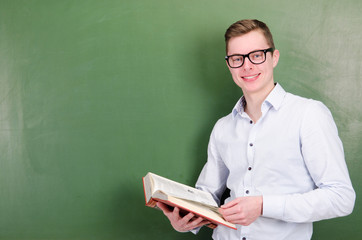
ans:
(256, 57)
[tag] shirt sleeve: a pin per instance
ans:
(214, 174)
(323, 155)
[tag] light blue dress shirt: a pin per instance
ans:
(292, 156)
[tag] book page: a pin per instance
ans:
(182, 191)
(201, 210)
(215, 209)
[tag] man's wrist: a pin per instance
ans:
(261, 205)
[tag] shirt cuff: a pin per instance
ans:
(273, 206)
(195, 230)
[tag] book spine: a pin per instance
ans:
(144, 189)
(152, 202)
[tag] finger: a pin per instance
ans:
(198, 222)
(202, 222)
(186, 219)
(235, 217)
(163, 207)
(230, 210)
(176, 211)
(230, 204)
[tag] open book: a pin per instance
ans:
(188, 199)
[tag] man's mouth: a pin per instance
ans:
(251, 77)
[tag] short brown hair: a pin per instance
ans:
(245, 26)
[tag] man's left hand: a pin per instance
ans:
(243, 210)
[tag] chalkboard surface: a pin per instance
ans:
(94, 94)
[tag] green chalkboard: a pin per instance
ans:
(94, 94)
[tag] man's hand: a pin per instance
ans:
(181, 224)
(243, 210)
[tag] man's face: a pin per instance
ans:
(253, 78)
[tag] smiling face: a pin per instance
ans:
(253, 78)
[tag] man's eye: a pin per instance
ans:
(237, 59)
(257, 55)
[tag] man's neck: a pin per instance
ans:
(253, 108)
(254, 102)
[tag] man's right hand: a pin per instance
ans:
(179, 223)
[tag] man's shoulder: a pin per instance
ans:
(290, 97)
(293, 99)
(303, 104)
(224, 124)
(225, 120)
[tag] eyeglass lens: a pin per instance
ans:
(256, 57)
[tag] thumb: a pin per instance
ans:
(231, 203)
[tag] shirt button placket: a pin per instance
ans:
(250, 157)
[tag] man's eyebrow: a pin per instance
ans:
(258, 49)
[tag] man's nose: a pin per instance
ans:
(247, 64)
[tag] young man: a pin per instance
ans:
(279, 154)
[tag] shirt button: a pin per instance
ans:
(251, 144)
(249, 168)
(247, 191)
(251, 122)
(244, 238)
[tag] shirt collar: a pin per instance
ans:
(276, 96)
(275, 99)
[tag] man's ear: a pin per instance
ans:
(275, 57)
(227, 65)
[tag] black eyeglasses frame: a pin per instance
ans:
(247, 56)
